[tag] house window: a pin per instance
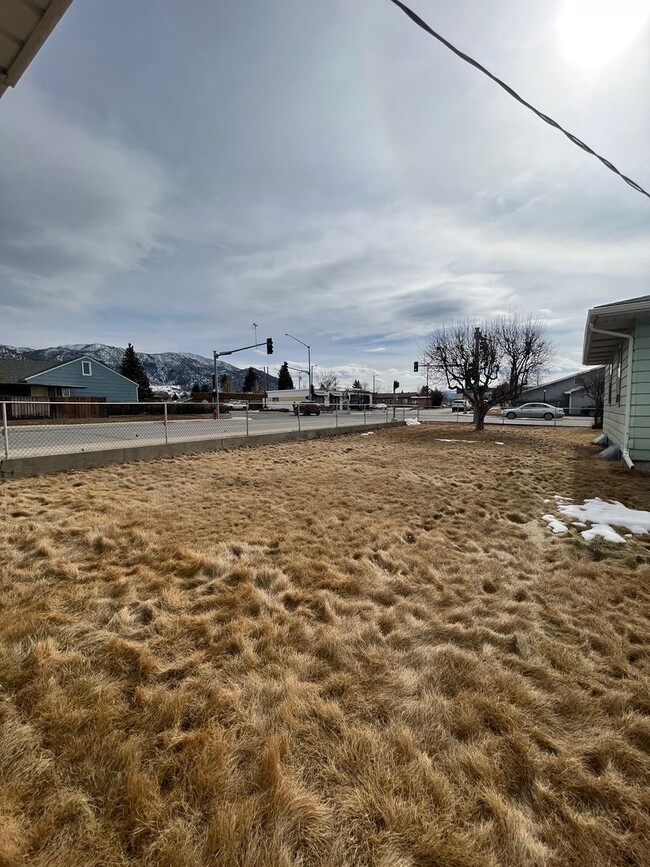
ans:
(86, 368)
(619, 373)
(610, 374)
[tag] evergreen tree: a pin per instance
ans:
(356, 384)
(250, 381)
(226, 383)
(284, 377)
(196, 388)
(132, 368)
(435, 397)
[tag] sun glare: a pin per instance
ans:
(594, 31)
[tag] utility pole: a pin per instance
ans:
(477, 352)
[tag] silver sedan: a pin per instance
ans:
(534, 410)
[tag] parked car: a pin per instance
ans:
(460, 405)
(534, 410)
(238, 404)
(307, 407)
(379, 406)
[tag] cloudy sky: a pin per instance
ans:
(171, 172)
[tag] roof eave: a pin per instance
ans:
(599, 349)
(33, 43)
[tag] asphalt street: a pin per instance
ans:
(57, 438)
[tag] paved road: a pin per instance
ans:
(44, 439)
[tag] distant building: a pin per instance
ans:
(567, 392)
(402, 398)
(286, 396)
(81, 377)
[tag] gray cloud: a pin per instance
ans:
(322, 168)
(78, 207)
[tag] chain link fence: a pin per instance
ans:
(32, 427)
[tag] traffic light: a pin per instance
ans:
(269, 346)
(395, 385)
(416, 366)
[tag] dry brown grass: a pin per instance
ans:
(362, 651)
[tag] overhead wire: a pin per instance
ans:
(513, 93)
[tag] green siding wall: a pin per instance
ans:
(640, 427)
(614, 422)
(103, 382)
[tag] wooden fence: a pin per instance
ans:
(55, 408)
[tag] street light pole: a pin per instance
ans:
(308, 360)
(215, 356)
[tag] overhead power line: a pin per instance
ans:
(515, 95)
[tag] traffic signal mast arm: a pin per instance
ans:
(217, 355)
(242, 348)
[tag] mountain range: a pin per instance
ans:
(174, 370)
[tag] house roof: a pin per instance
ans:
(620, 317)
(556, 381)
(16, 371)
(24, 27)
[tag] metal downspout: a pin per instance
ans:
(628, 397)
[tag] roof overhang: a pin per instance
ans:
(601, 348)
(24, 27)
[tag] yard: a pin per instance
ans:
(369, 650)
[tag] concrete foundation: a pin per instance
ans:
(18, 468)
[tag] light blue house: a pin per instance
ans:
(618, 336)
(81, 377)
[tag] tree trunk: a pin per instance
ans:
(479, 418)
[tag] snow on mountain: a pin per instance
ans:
(164, 369)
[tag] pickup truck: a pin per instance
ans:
(460, 405)
(307, 407)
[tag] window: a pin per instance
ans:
(610, 374)
(619, 373)
(86, 368)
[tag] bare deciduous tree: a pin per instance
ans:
(593, 382)
(328, 380)
(490, 362)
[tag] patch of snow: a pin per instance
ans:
(411, 422)
(555, 525)
(499, 443)
(367, 433)
(578, 524)
(441, 440)
(599, 512)
(603, 530)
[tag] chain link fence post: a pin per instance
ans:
(165, 418)
(248, 406)
(336, 412)
(297, 411)
(5, 430)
